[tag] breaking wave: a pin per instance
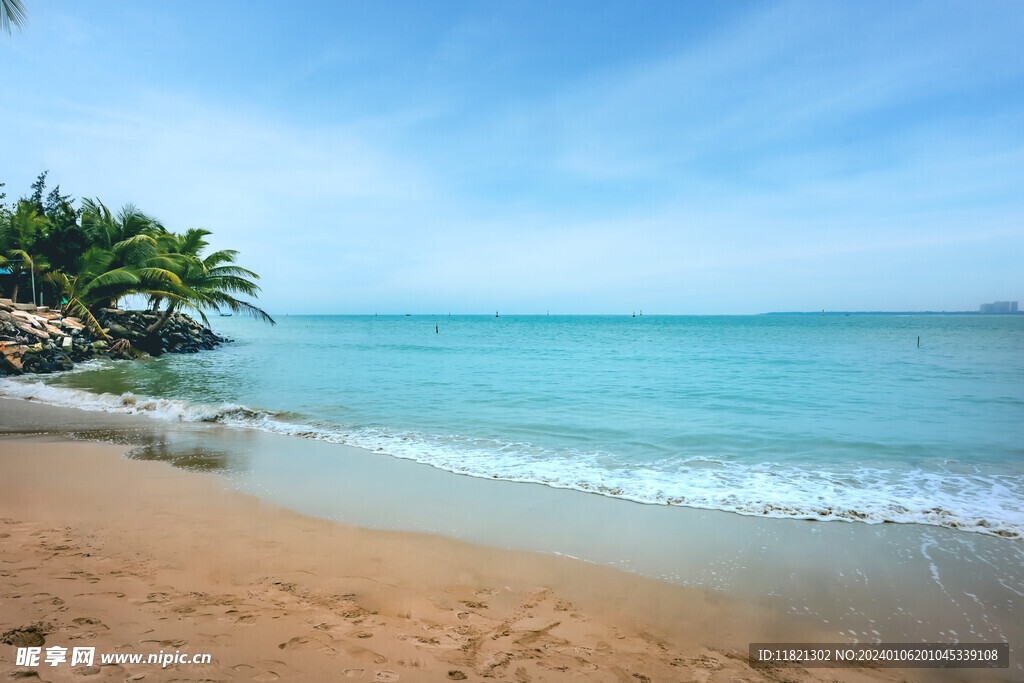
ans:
(982, 503)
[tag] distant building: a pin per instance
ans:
(999, 307)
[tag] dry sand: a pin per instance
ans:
(139, 557)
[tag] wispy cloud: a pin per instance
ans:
(795, 142)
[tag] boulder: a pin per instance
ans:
(116, 330)
(11, 365)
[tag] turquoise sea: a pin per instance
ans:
(823, 417)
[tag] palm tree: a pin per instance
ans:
(210, 281)
(105, 229)
(96, 284)
(12, 12)
(19, 235)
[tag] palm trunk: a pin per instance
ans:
(161, 321)
(14, 292)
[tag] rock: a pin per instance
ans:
(42, 340)
(10, 359)
(116, 330)
(26, 318)
(27, 329)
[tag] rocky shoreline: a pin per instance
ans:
(36, 339)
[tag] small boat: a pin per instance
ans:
(226, 315)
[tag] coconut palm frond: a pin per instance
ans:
(12, 12)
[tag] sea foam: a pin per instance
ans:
(987, 504)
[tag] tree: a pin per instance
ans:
(20, 234)
(96, 284)
(105, 229)
(12, 12)
(95, 257)
(4, 211)
(210, 281)
(38, 188)
(64, 240)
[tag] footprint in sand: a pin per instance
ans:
(362, 653)
(294, 642)
(386, 676)
(353, 673)
(27, 636)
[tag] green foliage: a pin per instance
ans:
(93, 257)
(64, 241)
(38, 187)
(20, 234)
(12, 12)
(210, 281)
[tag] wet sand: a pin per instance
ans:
(137, 556)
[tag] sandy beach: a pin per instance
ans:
(141, 557)
(629, 342)
(167, 551)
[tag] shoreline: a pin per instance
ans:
(753, 598)
(244, 417)
(134, 556)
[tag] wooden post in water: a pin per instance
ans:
(918, 341)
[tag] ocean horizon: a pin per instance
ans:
(870, 419)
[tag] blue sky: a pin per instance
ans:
(572, 157)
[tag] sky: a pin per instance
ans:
(571, 157)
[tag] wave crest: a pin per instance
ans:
(988, 504)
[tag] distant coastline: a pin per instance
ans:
(827, 313)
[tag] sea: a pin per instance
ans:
(855, 418)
